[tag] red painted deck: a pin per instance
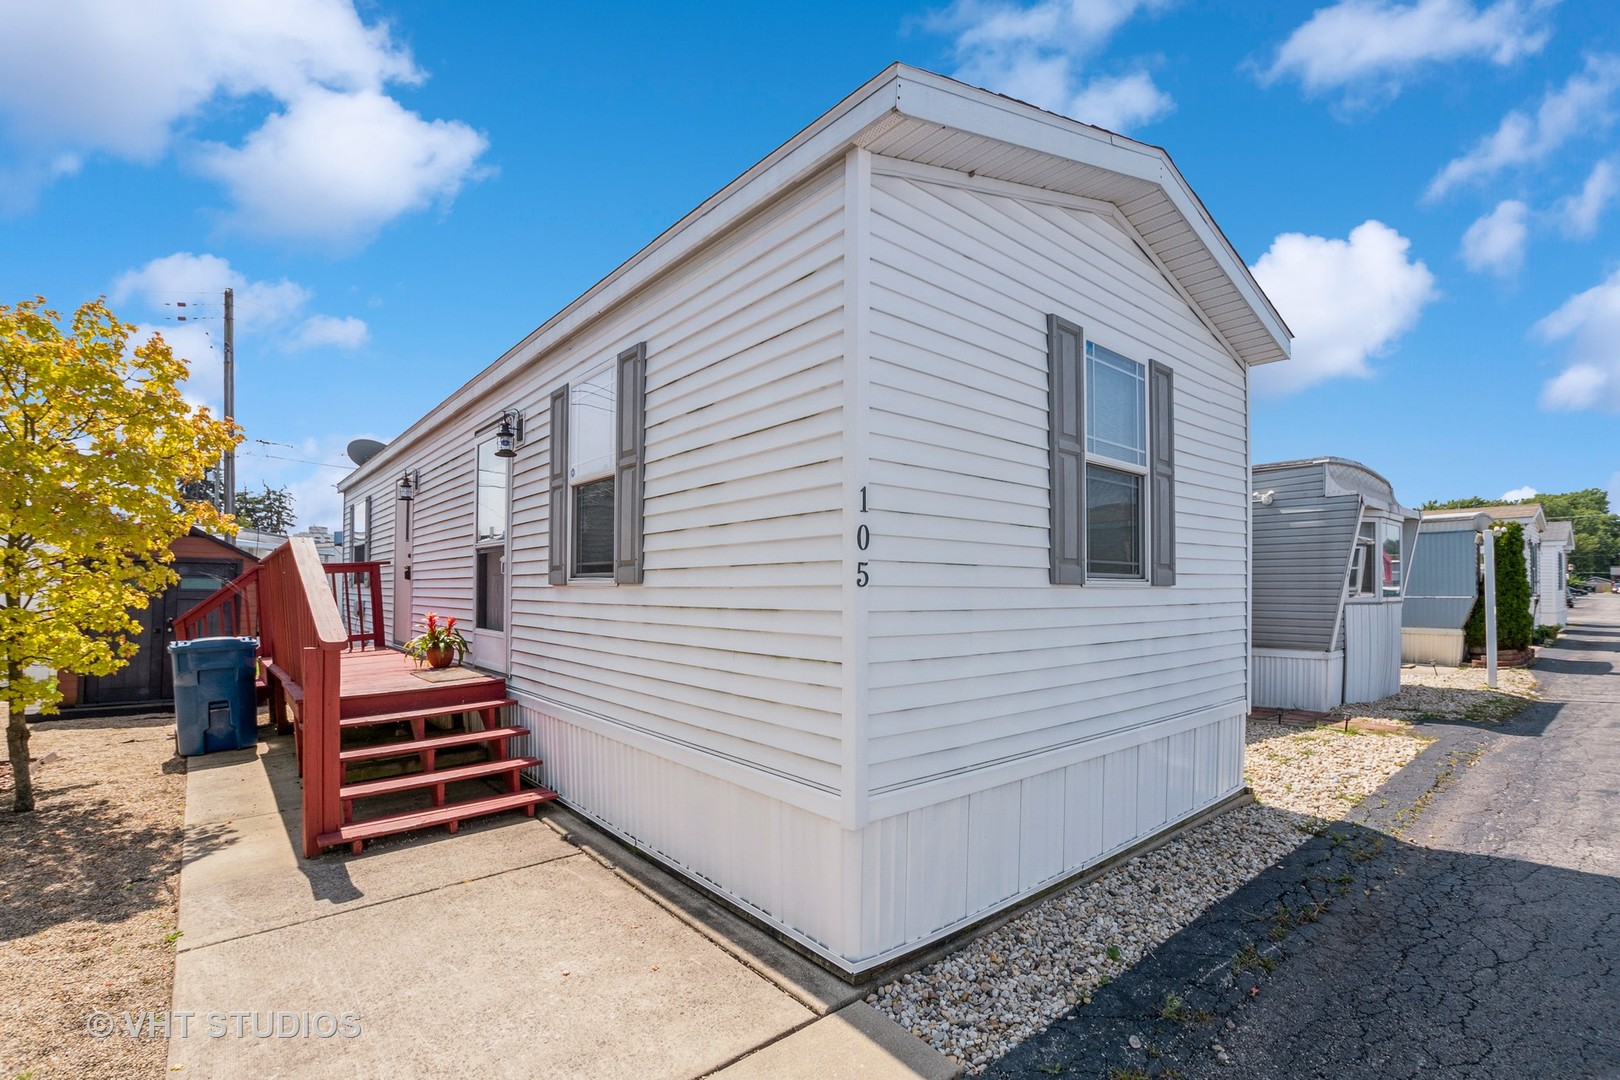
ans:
(330, 675)
(386, 680)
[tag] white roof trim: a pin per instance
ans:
(897, 93)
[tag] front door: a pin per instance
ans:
(404, 624)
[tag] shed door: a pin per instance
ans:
(147, 677)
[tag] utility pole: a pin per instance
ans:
(230, 398)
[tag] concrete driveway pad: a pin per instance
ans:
(517, 947)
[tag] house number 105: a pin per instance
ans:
(863, 540)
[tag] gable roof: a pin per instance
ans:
(1529, 513)
(915, 115)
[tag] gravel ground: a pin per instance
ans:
(88, 889)
(1001, 988)
(1429, 692)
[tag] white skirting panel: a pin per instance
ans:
(778, 861)
(1420, 645)
(930, 872)
(1294, 679)
(1372, 650)
(860, 898)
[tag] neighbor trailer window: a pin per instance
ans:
(1391, 559)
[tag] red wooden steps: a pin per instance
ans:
(357, 833)
(418, 717)
(428, 745)
(436, 780)
(414, 714)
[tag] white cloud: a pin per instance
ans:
(1589, 323)
(1368, 47)
(200, 347)
(202, 280)
(334, 168)
(1582, 106)
(1038, 53)
(310, 470)
(1123, 103)
(1496, 241)
(272, 312)
(86, 78)
(1579, 213)
(1346, 301)
(345, 333)
(1519, 494)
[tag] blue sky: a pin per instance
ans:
(399, 191)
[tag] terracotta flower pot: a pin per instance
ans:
(441, 657)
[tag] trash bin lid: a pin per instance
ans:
(214, 644)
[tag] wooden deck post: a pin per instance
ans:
(323, 772)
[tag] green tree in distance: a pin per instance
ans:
(271, 510)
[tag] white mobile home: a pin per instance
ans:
(1331, 550)
(874, 548)
(1557, 544)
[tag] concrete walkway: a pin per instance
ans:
(518, 947)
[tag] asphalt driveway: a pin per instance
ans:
(1465, 922)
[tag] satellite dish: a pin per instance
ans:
(363, 450)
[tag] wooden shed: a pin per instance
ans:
(1332, 548)
(203, 563)
(873, 547)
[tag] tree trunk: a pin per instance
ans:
(17, 749)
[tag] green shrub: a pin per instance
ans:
(1514, 625)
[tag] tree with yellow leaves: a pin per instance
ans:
(95, 439)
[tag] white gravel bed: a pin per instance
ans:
(1008, 985)
(1450, 693)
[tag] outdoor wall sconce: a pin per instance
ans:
(509, 435)
(409, 484)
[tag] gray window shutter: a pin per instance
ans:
(1066, 381)
(559, 486)
(630, 401)
(1161, 438)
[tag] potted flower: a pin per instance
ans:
(440, 645)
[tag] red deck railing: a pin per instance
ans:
(232, 611)
(290, 602)
(357, 589)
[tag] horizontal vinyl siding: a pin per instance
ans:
(975, 659)
(731, 647)
(1302, 544)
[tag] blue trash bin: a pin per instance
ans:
(215, 707)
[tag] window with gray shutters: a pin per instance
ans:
(1112, 463)
(598, 441)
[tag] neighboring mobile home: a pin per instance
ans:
(873, 547)
(1446, 577)
(1332, 547)
(1557, 544)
